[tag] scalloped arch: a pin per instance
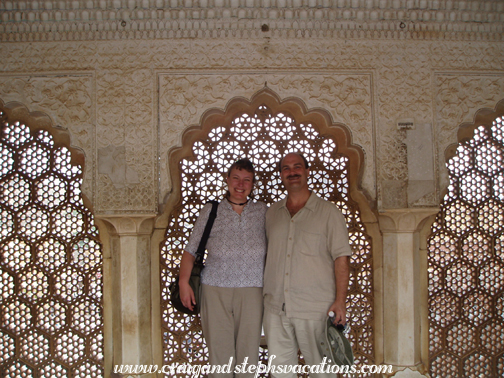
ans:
(47, 234)
(276, 126)
(466, 237)
(483, 117)
(320, 118)
(18, 112)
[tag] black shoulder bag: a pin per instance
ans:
(194, 280)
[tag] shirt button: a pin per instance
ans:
(286, 274)
(288, 255)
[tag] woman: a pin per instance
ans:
(231, 296)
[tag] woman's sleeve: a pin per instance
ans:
(197, 231)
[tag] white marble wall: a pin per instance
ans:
(127, 77)
(126, 103)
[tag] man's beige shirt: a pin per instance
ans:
(299, 268)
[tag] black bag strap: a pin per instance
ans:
(206, 233)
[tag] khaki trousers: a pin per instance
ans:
(286, 335)
(231, 319)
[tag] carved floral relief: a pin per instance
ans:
(472, 55)
(110, 94)
(126, 137)
(403, 92)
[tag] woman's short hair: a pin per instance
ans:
(244, 164)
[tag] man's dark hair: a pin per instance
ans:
(295, 153)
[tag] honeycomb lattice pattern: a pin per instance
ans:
(50, 260)
(466, 262)
(263, 137)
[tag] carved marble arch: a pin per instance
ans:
(51, 321)
(466, 255)
(263, 129)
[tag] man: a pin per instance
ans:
(307, 269)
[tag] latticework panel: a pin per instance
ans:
(50, 260)
(263, 137)
(466, 262)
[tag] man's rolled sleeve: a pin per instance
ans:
(338, 242)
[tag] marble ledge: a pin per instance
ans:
(405, 220)
(191, 19)
(78, 33)
(129, 224)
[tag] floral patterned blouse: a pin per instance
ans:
(236, 247)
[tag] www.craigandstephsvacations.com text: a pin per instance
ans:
(196, 371)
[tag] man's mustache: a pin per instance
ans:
(293, 176)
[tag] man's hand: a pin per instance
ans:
(342, 276)
(339, 313)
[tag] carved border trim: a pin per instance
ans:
(296, 19)
(383, 31)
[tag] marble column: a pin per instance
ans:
(405, 288)
(127, 289)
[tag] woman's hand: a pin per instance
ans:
(187, 295)
(186, 292)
